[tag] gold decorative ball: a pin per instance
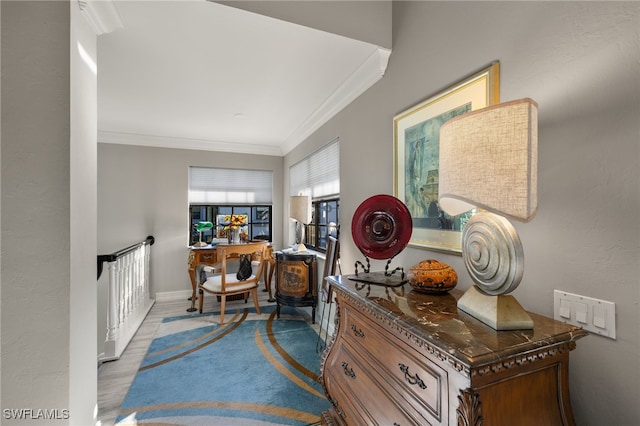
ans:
(431, 276)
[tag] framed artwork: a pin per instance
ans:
(416, 134)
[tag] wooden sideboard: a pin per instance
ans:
(399, 357)
(208, 256)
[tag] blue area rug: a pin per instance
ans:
(253, 370)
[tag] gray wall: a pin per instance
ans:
(48, 305)
(580, 62)
(143, 191)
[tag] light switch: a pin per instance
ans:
(581, 312)
(565, 308)
(599, 316)
(594, 315)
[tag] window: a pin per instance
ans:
(258, 221)
(216, 191)
(318, 175)
(326, 224)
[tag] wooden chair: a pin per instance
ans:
(224, 282)
(326, 293)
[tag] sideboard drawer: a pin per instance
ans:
(416, 381)
(363, 400)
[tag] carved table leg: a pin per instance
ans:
(268, 272)
(192, 278)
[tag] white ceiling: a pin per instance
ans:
(200, 75)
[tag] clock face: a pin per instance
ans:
(381, 227)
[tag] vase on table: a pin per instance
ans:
(235, 236)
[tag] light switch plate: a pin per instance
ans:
(598, 318)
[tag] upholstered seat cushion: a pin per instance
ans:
(214, 283)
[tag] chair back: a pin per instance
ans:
(231, 253)
(330, 265)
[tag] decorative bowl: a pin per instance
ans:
(431, 276)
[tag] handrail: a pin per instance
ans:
(115, 255)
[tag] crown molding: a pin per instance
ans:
(185, 143)
(102, 15)
(367, 74)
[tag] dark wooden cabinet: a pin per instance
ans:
(399, 357)
(296, 281)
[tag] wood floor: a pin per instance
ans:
(115, 377)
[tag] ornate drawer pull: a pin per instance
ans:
(347, 370)
(412, 380)
(358, 332)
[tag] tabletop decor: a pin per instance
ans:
(416, 157)
(432, 276)
(231, 226)
(381, 228)
(200, 228)
(497, 147)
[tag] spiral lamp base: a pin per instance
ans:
(493, 255)
(501, 312)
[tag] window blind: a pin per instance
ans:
(208, 185)
(318, 175)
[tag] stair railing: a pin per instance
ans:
(128, 299)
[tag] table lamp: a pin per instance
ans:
(300, 211)
(488, 161)
(200, 227)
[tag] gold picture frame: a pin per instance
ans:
(416, 134)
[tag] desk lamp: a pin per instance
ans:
(488, 161)
(200, 227)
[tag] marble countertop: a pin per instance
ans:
(436, 321)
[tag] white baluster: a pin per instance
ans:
(112, 312)
(139, 277)
(121, 290)
(147, 262)
(128, 294)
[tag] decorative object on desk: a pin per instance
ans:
(234, 236)
(200, 228)
(231, 226)
(416, 173)
(497, 148)
(381, 228)
(300, 211)
(431, 276)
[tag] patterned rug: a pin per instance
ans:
(253, 370)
